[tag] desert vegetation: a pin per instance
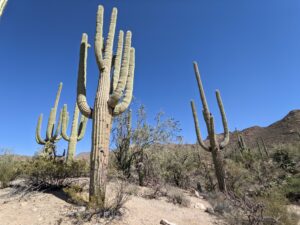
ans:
(245, 179)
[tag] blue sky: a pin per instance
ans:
(250, 50)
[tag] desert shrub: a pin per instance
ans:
(8, 168)
(177, 197)
(108, 209)
(42, 173)
(75, 194)
(284, 160)
(292, 188)
(275, 207)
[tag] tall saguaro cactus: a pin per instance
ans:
(112, 98)
(52, 135)
(77, 132)
(214, 146)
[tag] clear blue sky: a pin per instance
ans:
(250, 50)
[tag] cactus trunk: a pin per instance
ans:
(217, 157)
(102, 123)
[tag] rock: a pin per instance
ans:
(166, 222)
(34, 209)
(23, 204)
(210, 210)
(196, 193)
(199, 206)
(81, 209)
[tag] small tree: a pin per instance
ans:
(142, 137)
(122, 135)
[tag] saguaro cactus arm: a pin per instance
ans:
(224, 120)
(117, 93)
(2, 6)
(84, 107)
(57, 132)
(82, 127)
(38, 137)
(65, 123)
(198, 133)
(123, 105)
(108, 49)
(205, 111)
(99, 38)
(117, 60)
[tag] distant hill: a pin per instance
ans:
(284, 131)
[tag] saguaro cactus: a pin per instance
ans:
(214, 147)
(112, 97)
(241, 143)
(2, 6)
(77, 132)
(51, 135)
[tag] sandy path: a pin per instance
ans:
(47, 209)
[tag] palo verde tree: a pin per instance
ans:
(112, 98)
(214, 147)
(122, 137)
(52, 135)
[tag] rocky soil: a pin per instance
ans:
(52, 209)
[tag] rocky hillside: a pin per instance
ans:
(284, 131)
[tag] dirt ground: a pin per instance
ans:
(52, 209)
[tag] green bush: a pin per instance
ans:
(8, 169)
(43, 173)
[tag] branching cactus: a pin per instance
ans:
(2, 6)
(113, 95)
(214, 146)
(52, 135)
(77, 132)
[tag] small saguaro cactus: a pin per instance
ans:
(112, 97)
(214, 147)
(77, 132)
(242, 143)
(52, 135)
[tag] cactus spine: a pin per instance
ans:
(214, 147)
(2, 6)
(77, 132)
(112, 97)
(51, 135)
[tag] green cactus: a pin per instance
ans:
(214, 147)
(77, 132)
(242, 143)
(259, 148)
(52, 135)
(264, 146)
(2, 6)
(112, 97)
